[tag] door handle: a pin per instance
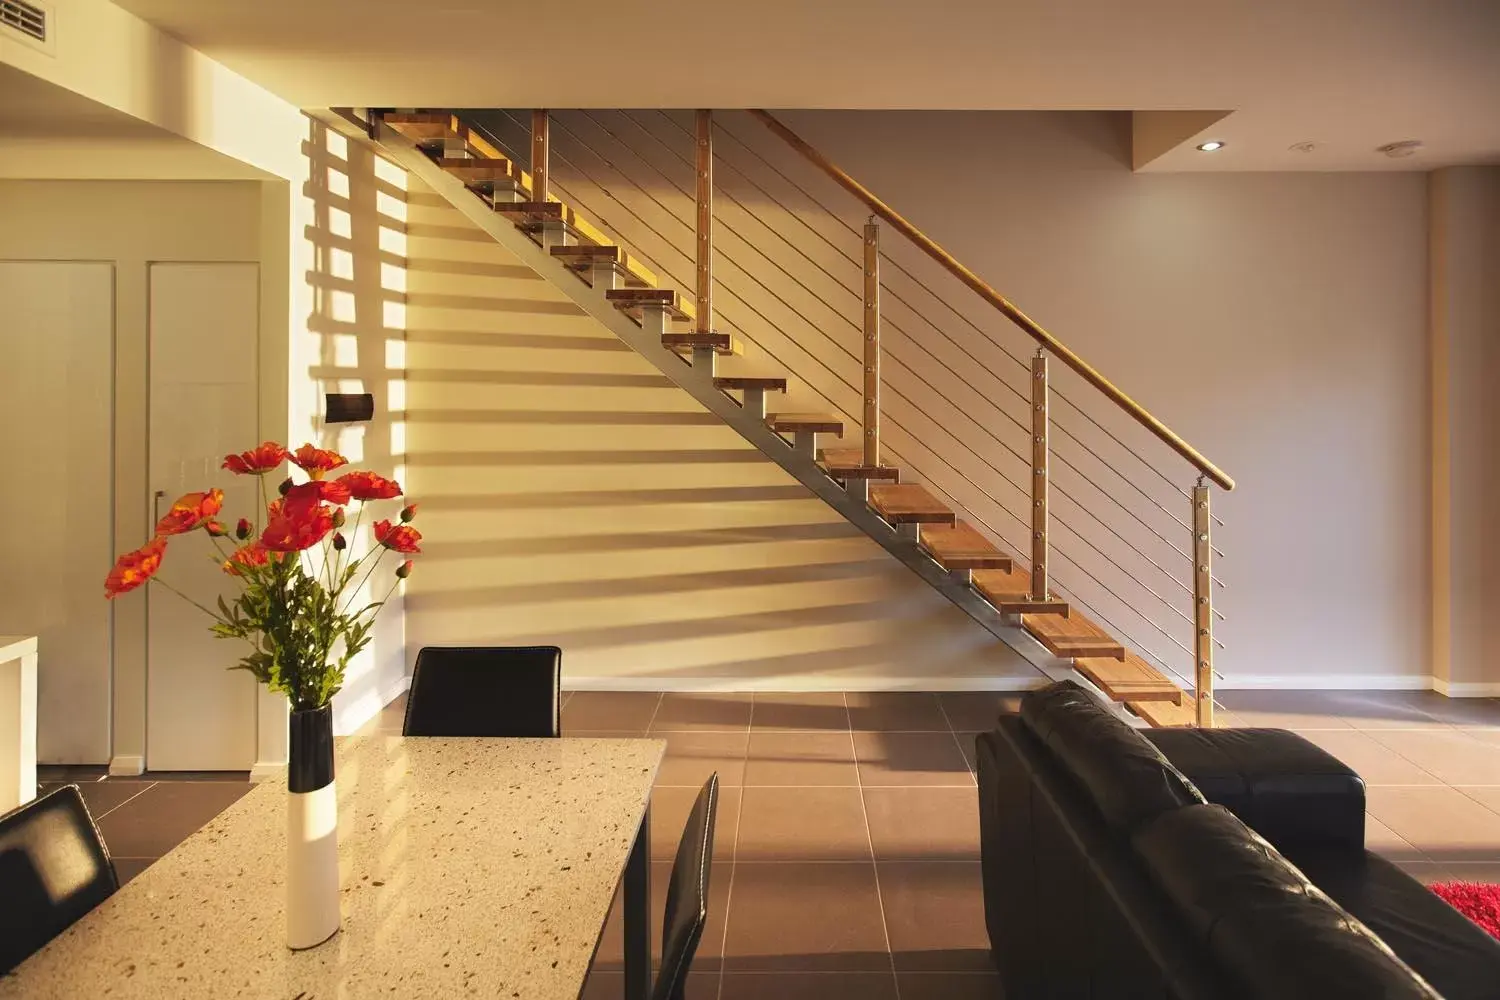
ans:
(156, 507)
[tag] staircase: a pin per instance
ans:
(940, 542)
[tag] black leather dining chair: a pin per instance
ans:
(485, 691)
(687, 895)
(54, 868)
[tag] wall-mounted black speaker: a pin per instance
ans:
(348, 407)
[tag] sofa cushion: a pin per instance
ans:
(1125, 776)
(1272, 929)
(1455, 955)
(1288, 790)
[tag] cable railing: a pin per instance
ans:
(604, 189)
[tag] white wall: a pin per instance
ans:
(1277, 321)
(1465, 334)
(572, 496)
(129, 224)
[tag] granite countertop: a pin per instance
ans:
(469, 867)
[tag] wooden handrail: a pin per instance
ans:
(1000, 302)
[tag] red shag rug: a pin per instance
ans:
(1479, 901)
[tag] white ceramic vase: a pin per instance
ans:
(312, 843)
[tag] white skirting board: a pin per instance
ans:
(127, 764)
(1324, 682)
(1466, 689)
(708, 685)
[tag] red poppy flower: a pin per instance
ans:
(135, 568)
(305, 495)
(246, 556)
(256, 462)
(398, 538)
(189, 511)
(298, 529)
(316, 461)
(369, 486)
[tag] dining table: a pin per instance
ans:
(467, 867)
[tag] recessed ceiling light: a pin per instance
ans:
(1210, 146)
(1395, 150)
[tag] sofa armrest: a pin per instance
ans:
(1290, 791)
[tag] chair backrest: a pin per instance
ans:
(485, 691)
(687, 895)
(54, 868)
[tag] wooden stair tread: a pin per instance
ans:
(767, 382)
(719, 343)
(584, 255)
(425, 126)
(960, 546)
(824, 423)
(1009, 590)
(909, 503)
(1072, 636)
(1164, 714)
(849, 463)
(478, 170)
(633, 298)
(1130, 679)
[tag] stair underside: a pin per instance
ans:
(955, 546)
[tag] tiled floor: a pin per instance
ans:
(846, 862)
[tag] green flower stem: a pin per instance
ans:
(206, 611)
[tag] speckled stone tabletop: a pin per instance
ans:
(469, 867)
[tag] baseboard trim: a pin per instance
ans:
(263, 770)
(1325, 682)
(1466, 689)
(127, 765)
(710, 685)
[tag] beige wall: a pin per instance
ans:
(1465, 337)
(571, 495)
(130, 224)
(1277, 321)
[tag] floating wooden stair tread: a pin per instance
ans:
(1072, 636)
(849, 463)
(585, 255)
(764, 383)
(819, 423)
(426, 126)
(960, 546)
(1009, 590)
(908, 503)
(1130, 679)
(1165, 714)
(719, 343)
(631, 299)
(472, 170)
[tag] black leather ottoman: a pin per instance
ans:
(1290, 791)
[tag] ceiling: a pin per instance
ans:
(50, 132)
(1348, 75)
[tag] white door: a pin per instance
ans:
(200, 716)
(56, 492)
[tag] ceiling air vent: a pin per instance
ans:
(27, 18)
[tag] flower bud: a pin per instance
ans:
(339, 542)
(404, 570)
(408, 512)
(243, 529)
(286, 484)
(215, 529)
(338, 517)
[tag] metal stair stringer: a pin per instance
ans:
(698, 382)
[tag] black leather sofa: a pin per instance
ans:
(1121, 866)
